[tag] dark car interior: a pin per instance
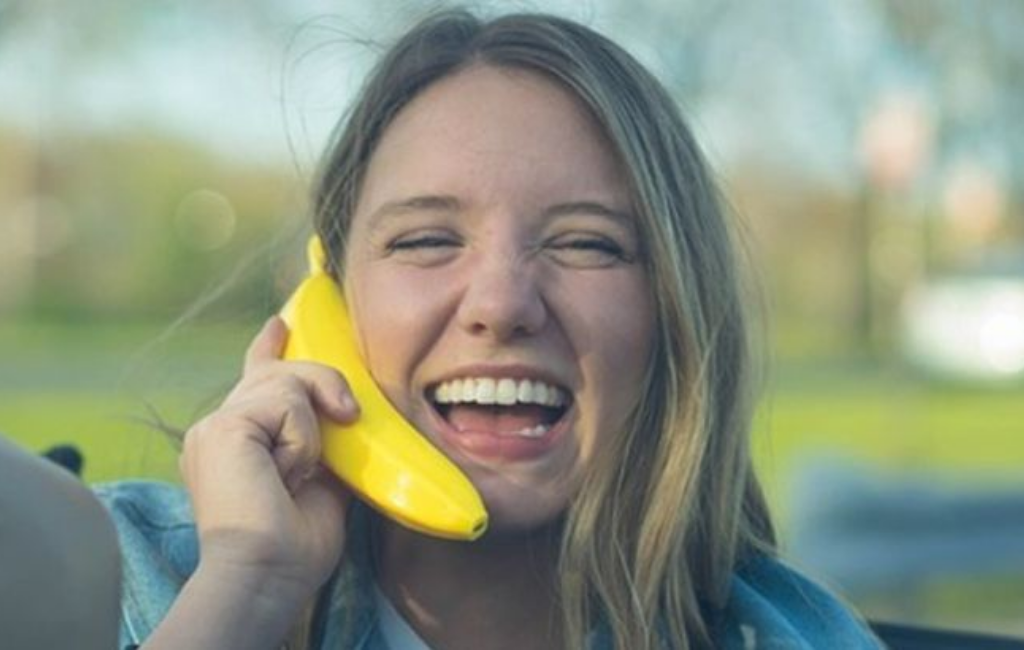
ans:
(906, 637)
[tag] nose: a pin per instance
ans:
(503, 300)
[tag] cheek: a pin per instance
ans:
(621, 363)
(617, 337)
(396, 315)
(622, 329)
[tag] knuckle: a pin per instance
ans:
(260, 373)
(212, 421)
(329, 375)
(215, 428)
(310, 449)
(189, 440)
(323, 376)
(287, 383)
(295, 402)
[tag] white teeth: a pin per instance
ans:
(524, 391)
(530, 432)
(504, 391)
(534, 432)
(485, 391)
(540, 393)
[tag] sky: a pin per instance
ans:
(788, 83)
(253, 86)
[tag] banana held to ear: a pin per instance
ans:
(380, 456)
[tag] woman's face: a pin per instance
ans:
(493, 274)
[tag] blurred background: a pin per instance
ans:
(154, 158)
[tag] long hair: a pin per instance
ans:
(670, 507)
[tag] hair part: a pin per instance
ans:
(668, 509)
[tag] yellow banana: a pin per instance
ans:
(380, 456)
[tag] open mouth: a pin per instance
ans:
(504, 407)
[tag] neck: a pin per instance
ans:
(497, 592)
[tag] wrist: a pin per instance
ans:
(230, 606)
(261, 594)
(257, 569)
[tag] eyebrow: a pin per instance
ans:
(448, 203)
(590, 207)
(426, 202)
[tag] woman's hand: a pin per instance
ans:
(266, 510)
(270, 518)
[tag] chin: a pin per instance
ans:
(515, 510)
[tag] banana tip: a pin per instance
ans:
(479, 528)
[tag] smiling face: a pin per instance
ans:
(493, 272)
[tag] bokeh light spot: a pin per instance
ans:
(205, 220)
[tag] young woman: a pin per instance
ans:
(508, 200)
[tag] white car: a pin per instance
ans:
(969, 325)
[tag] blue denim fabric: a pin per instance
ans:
(771, 607)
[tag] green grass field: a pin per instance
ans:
(102, 386)
(98, 385)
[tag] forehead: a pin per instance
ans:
(494, 129)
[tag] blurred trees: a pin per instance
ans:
(972, 57)
(890, 126)
(151, 151)
(110, 203)
(108, 209)
(137, 224)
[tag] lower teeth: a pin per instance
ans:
(533, 432)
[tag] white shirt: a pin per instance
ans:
(398, 634)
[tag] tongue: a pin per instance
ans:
(498, 419)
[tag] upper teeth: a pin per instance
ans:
(505, 391)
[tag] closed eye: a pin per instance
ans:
(425, 241)
(424, 248)
(588, 251)
(602, 245)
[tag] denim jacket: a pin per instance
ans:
(770, 606)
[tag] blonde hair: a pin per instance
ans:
(670, 508)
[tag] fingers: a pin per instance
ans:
(278, 405)
(310, 390)
(268, 343)
(253, 470)
(329, 390)
(281, 411)
(298, 445)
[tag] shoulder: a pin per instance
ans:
(59, 563)
(153, 520)
(150, 502)
(159, 549)
(773, 605)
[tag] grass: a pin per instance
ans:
(96, 385)
(109, 430)
(888, 420)
(101, 388)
